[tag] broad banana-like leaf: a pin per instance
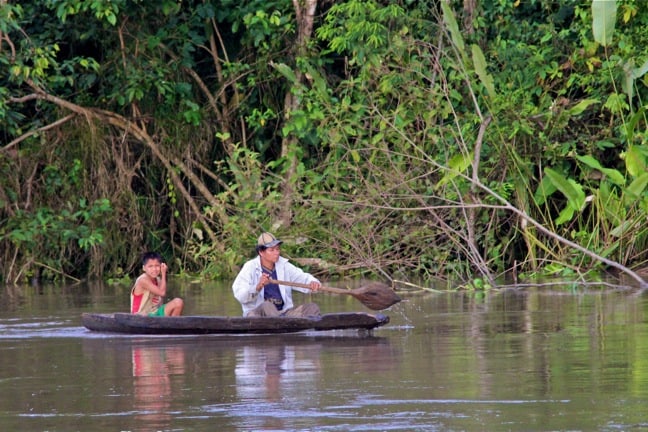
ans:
(640, 71)
(480, 67)
(581, 106)
(571, 190)
(565, 215)
(631, 74)
(603, 20)
(545, 189)
(635, 161)
(630, 125)
(318, 81)
(285, 70)
(614, 175)
(453, 28)
(637, 187)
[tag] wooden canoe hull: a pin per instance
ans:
(138, 324)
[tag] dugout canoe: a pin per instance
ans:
(187, 325)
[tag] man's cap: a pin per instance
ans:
(267, 240)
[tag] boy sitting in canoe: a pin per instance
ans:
(259, 297)
(148, 293)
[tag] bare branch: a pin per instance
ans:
(141, 134)
(36, 131)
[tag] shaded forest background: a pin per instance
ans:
(465, 141)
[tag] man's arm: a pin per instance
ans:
(292, 273)
(245, 285)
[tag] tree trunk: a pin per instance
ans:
(304, 13)
(469, 9)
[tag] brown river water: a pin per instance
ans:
(532, 359)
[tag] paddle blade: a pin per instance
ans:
(376, 296)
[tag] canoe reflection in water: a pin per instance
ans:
(267, 375)
(153, 368)
(251, 383)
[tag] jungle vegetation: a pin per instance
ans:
(458, 140)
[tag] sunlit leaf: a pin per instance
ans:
(545, 189)
(638, 186)
(640, 71)
(355, 156)
(565, 215)
(451, 23)
(581, 106)
(285, 70)
(603, 20)
(569, 188)
(635, 161)
(480, 68)
(457, 164)
(614, 175)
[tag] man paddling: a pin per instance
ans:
(259, 297)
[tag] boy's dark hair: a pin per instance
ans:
(148, 256)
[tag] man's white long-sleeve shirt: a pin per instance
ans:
(246, 281)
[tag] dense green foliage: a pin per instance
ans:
(406, 139)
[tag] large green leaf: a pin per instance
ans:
(480, 67)
(286, 71)
(635, 161)
(638, 186)
(604, 19)
(545, 189)
(640, 71)
(565, 215)
(581, 106)
(614, 175)
(453, 28)
(631, 74)
(630, 125)
(571, 190)
(457, 164)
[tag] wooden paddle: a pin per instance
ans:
(375, 295)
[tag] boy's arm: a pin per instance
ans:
(144, 283)
(162, 282)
